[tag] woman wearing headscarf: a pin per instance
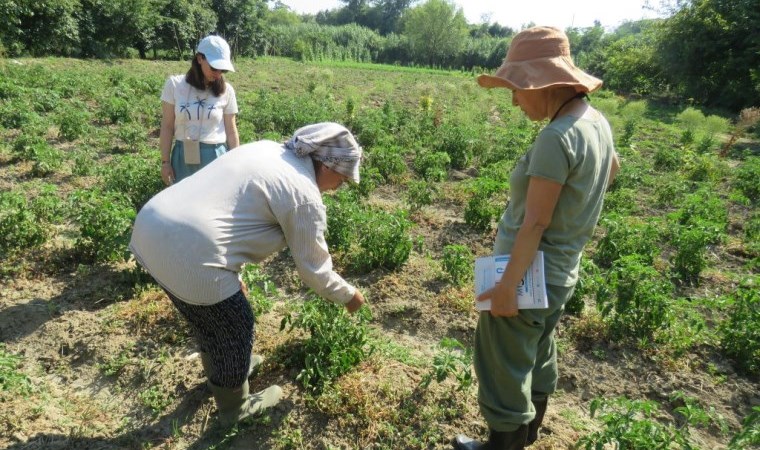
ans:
(198, 111)
(556, 193)
(195, 236)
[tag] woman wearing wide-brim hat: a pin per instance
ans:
(556, 193)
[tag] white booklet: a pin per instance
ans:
(531, 293)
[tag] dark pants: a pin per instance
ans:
(224, 331)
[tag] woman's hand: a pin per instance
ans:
(167, 174)
(503, 301)
(355, 303)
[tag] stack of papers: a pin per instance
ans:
(531, 293)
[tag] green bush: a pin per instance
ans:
(47, 160)
(20, 227)
(12, 381)
(740, 332)
(457, 142)
(690, 256)
(635, 300)
(481, 209)
(668, 158)
(706, 211)
(388, 160)
(452, 358)
(105, 221)
(73, 121)
(632, 425)
(627, 236)
(432, 166)
(260, 288)
(589, 279)
(458, 263)
(747, 179)
(344, 219)
(135, 176)
(337, 341)
(115, 109)
(419, 193)
(384, 241)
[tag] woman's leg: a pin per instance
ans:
(225, 332)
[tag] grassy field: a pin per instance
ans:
(660, 346)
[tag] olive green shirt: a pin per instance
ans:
(576, 153)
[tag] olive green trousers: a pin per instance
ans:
(516, 361)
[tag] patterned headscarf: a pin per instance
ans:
(331, 144)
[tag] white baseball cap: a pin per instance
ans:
(217, 52)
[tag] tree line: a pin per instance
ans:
(705, 51)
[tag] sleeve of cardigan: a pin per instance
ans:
(304, 228)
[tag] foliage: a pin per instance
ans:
(627, 236)
(481, 209)
(20, 227)
(73, 122)
(387, 244)
(457, 142)
(740, 332)
(589, 279)
(420, 193)
(12, 381)
(337, 341)
(746, 179)
(749, 435)
(105, 220)
(432, 166)
(452, 358)
(134, 177)
(705, 211)
(436, 30)
(457, 262)
(389, 162)
(632, 424)
(260, 288)
(635, 300)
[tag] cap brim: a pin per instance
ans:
(221, 64)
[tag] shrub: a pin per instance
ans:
(432, 166)
(105, 220)
(706, 211)
(747, 179)
(384, 242)
(73, 122)
(389, 161)
(589, 279)
(632, 425)
(627, 236)
(47, 159)
(452, 358)
(668, 158)
(456, 142)
(116, 110)
(635, 300)
(344, 217)
(20, 227)
(12, 381)
(337, 341)
(481, 210)
(419, 193)
(134, 176)
(458, 263)
(260, 288)
(689, 259)
(740, 332)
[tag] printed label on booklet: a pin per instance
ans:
(531, 293)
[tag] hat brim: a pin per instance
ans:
(539, 74)
(221, 64)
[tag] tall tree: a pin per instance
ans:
(241, 23)
(436, 31)
(39, 28)
(711, 48)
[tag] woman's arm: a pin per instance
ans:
(539, 208)
(614, 167)
(230, 128)
(165, 141)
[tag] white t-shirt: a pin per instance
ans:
(194, 236)
(198, 115)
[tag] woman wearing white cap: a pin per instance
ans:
(193, 238)
(198, 113)
(556, 193)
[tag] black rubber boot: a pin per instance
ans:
(497, 440)
(535, 424)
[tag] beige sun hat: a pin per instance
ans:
(539, 57)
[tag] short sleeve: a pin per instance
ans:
(167, 94)
(232, 106)
(549, 158)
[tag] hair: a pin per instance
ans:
(195, 78)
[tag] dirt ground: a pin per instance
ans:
(69, 325)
